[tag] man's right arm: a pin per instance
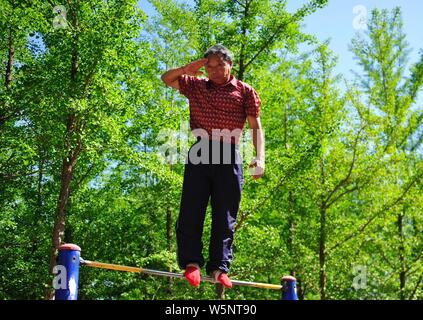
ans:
(170, 78)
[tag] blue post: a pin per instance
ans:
(67, 277)
(289, 288)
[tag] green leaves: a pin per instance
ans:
(342, 187)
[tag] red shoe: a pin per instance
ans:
(223, 279)
(192, 274)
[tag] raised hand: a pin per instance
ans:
(193, 67)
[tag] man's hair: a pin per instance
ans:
(219, 50)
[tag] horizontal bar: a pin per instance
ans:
(94, 264)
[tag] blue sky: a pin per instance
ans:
(339, 21)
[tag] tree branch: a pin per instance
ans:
(241, 4)
(419, 281)
(270, 40)
(294, 18)
(10, 158)
(16, 176)
(345, 180)
(385, 208)
(244, 215)
(341, 195)
(415, 260)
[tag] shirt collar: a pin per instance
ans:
(232, 81)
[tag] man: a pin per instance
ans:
(219, 107)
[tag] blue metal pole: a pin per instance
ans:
(289, 288)
(68, 272)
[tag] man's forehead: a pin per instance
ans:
(215, 59)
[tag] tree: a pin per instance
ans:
(395, 125)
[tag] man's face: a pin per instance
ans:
(218, 69)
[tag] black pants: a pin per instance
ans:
(222, 183)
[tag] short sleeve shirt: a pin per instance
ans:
(219, 111)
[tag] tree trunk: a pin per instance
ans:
(169, 228)
(40, 179)
(322, 252)
(8, 76)
(220, 291)
(62, 204)
(291, 231)
(292, 223)
(169, 245)
(242, 52)
(322, 242)
(402, 274)
(292, 249)
(72, 147)
(10, 61)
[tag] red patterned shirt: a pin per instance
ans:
(219, 110)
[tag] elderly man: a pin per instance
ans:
(219, 107)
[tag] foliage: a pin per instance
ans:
(342, 188)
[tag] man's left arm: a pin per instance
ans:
(258, 141)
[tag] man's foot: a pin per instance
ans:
(222, 278)
(192, 274)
